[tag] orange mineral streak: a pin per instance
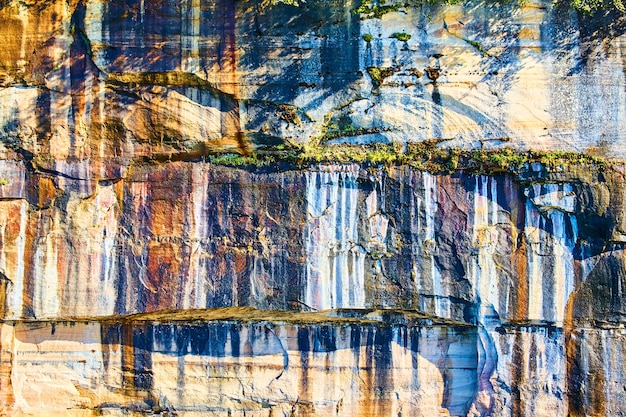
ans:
(572, 355)
(128, 358)
(11, 218)
(29, 262)
(11, 34)
(164, 263)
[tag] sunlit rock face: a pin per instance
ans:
(234, 368)
(528, 264)
(181, 235)
(91, 85)
(274, 291)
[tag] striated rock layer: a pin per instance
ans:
(529, 267)
(234, 368)
(136, 278)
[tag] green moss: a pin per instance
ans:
(372, 9)
(426, 156)
(87, 43)
(369, 9)
(333, 132)
(367, 37)
(376, 9)
(236, 160)
(565, 159)
(378, 74)
(295, 3)
(589, 7)
(3, 181)
(478, 46)
(507, 159)
(401, 36)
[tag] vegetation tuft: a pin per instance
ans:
(401, 36)
(427, 156)
(375, 9)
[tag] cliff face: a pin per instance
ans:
(137, 278)
(110, 81)
(528, 268)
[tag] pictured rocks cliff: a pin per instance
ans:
(159, 256)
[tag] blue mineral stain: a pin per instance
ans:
(324, 339)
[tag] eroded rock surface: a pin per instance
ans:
(531, 263)
(136, 278)
(94, 84)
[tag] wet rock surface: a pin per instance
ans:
(512, 261)
(139, 278)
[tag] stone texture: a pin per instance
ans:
(226, 368)
(95, 84)
(136, 278)
(531, 262)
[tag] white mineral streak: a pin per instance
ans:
(426, 274)
(102, 244)
(613, 367)
(46, 277)
(195, 292)
(440, 291)
(415, 202)
(190, 62)
(16, 295)
(378, 225)
(95, 30)
(551, 233)
(536, 367)
(485, 241)
(532, 231)
(378, 221)
(190, 36)
(97, 33)
(334, 269)
(140, 192)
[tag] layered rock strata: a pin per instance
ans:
(532, 263)
(137, 278)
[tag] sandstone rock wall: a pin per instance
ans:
(532, 262)
(235, 369)
(195, 235)
(136, 278)
(90, 85)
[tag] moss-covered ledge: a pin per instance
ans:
(427, 156)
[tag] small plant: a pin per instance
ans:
(507, 159)
(236, 160)
(401, 36)
(372, 9)
(3, 181)
(367, 37)
(378, 74)
(289, 114)
(369, 9)
(589, 7)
